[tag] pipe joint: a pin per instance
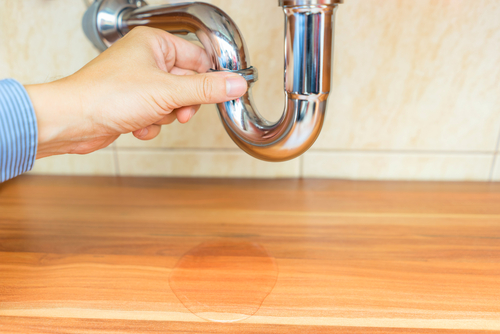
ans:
(250, 74)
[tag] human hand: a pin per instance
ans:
(147, 79)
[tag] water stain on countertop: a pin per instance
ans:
(224, 280)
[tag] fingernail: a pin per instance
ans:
(236, 86)
(142, 133)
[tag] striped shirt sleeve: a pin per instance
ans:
(18, 130)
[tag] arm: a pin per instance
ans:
(147, 79)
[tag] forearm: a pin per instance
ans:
(58, 112)
(146, 80)
(18, 130)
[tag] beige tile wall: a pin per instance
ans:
(402, 165)
(201, 163)
(416, 92)
(97, 163)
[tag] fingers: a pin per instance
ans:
(207, 88)
(181, 71)
(148, 133)
(167, 50)
(168, 119)
(187, 54)
(184, 114)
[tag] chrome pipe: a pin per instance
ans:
(309, 28)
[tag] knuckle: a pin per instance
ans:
(172, 99)
(139, 30)
(143, 33)
(207, 88)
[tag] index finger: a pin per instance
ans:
(184, 54)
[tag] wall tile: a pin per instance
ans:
(400, 166)
(43, 40)
(4, 64)
(396, 83)
(415, 75)
(195, 163)
(409, 76)
(97, 163)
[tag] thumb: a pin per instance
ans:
(206, 88)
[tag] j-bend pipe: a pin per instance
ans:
(309, 28)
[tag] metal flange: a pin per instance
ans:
(102, 20)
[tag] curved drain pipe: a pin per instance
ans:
(309, 28)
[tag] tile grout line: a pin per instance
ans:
(492, 168)
(495, 158)
(400, 151)
(233, 150)
(174, 149)
(301, 166)
(115, 157)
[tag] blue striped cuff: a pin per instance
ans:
(18, 130)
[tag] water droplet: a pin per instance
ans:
(224, 280)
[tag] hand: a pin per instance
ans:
(147, 79)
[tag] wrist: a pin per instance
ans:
(59, 119)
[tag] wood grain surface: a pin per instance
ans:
(94, 255)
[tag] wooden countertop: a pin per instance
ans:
(95, 255)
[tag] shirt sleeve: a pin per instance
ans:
(18, 130)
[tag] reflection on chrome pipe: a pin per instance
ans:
(308, 55)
